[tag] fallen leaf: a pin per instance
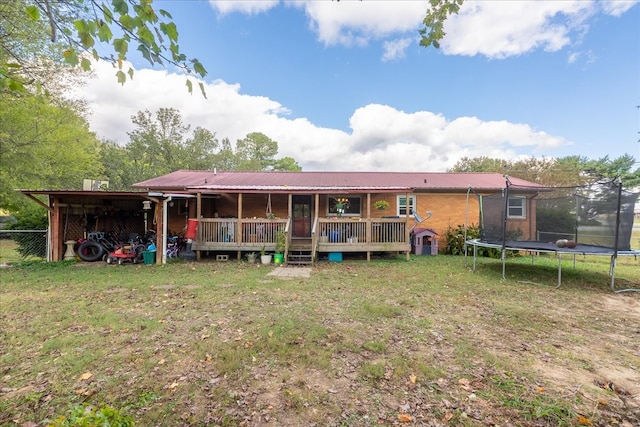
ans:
(405, 418)
(270, 334)
(540, 389)
(85, 376)
(161, 362)
(464, 383)
(448, 416)
(413, 378)
(584, 420)
(173, 385)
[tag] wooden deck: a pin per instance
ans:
(328, 235)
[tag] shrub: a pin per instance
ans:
(455, 238)
(34, 218)
(89, 416)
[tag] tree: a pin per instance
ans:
(256, 152)
(226, 158)
(562, 172)
(605, 168)
(77, 25)
(43, 144)
(286, 164)
(199, 151)
(437, 14)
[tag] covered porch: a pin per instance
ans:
(308, 224)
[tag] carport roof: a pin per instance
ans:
(82, 193)
(212, 181)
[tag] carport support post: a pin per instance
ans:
(198, 216)
(56, 221)
(158, 218)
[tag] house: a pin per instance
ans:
(324, 212)
(318, 213)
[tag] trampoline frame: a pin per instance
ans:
(559, 252)
(538, 247)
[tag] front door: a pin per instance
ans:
(302, 216)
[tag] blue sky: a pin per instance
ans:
(345, 86)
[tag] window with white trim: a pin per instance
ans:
(402, 205)
(517, 207)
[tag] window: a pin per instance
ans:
(516, 207)
(347, 205)
(402, 205)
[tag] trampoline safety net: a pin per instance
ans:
(599, 215)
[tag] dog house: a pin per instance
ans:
(425, 241)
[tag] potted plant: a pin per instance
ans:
(281, 242)
(265, 258)
(251, 257)
(381, 204)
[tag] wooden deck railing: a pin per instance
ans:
(363, 230)
(328, 234)
(241, 234)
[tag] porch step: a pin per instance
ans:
(299, 257)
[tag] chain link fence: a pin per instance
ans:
(23, 245)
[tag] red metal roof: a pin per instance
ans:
(211, 181)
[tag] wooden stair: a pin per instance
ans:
(300, 253)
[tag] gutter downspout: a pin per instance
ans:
(165, 204)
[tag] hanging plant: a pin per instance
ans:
(381, 204)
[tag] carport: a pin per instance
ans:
(74, 213)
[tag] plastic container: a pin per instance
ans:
(335, 256)
(192, 229)
(278, 258)
(149, 257)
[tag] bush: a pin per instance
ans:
(89, 416)
(455, 238)
(30, 244)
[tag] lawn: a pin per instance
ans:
(388, 342)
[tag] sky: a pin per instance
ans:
(346, 86)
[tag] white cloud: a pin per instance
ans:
(251, 7)
(352, 22)
(617, 7)
(493, 28)
(381, 138)
(498, 29)
(395, 49)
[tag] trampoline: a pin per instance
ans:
(596, 219)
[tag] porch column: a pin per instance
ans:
(369, 225)
(407, 231)
(239, 222)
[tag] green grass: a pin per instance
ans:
(355, 344)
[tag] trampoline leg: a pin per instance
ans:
(503, 263)
(612, 273)
(559, 269)
(475, 254)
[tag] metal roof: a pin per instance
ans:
(82, 193)
(212, 181)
